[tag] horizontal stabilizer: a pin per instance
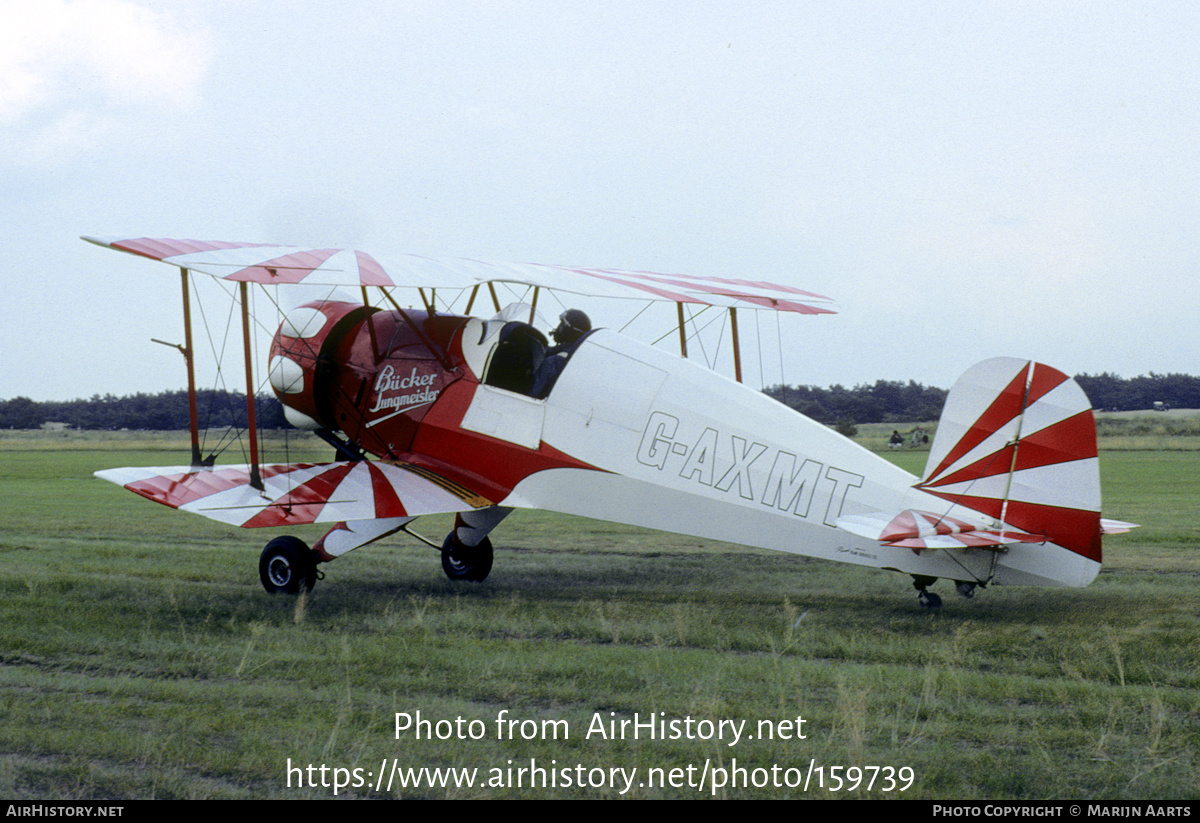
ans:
(917, 530)
(299, 493)
(1115, 526)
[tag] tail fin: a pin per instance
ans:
(1017, 442)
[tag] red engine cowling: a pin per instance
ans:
(368, 373)
(303, 337)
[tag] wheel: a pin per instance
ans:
(965, 588)
(929, 600)
(287, 565)
(461, 562)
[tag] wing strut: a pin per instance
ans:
(251, 422)
(193, 417)
(682, 331)
(733, 328)
(737, 350)
(441, 354)
(186, 351)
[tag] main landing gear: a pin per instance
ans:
(931, 601)
(467, 551)
(463, 562)
(287, 566)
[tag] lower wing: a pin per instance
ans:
(299, 493)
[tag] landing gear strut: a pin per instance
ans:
(927, 599)
(287, 565)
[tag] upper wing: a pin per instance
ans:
(299, 493)
(264, 263)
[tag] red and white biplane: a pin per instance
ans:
(431, 412)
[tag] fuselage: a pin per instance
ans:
(625, 433)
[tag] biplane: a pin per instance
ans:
(429, 411)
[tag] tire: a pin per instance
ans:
(461, 562)
(286, 566)
(929, 600)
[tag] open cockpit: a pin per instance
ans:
(514, 356)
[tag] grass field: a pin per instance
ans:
(139, 656)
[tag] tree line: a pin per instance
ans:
(884, 401)
(891, 401)
(165, 411)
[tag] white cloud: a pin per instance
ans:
(73, 70)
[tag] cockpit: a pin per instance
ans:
(517, 360)
(513, 355)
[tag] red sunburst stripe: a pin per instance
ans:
(1073, 438)
(761, 284)
(274, 515)
(669, 295)
(370, 273)
(290, 268)
(1063, 442)
(779, 305)
(702, 280)
(944, 524)
(177, 490)
(1074, 529)
(988, 505)
(1045, 378)
(303, 503)
(756, 299)
(998, 462)
(1077, 530)
(387, 502)
(903, 526)
(976, 540)
(1007, 405)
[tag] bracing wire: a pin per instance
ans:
(219, 377)
(636, 316)
(690, 318)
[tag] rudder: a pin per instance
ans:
(1017, 442)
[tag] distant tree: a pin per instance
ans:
(1108, 391)
(883, 402)
(21, 413)
(164, 411)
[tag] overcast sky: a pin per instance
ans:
(965, 179)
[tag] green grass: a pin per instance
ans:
(139, 656)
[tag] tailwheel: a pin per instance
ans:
(462, 562)
(927, 599)
(288, 566)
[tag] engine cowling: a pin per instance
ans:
(298, 370)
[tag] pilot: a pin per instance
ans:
(573, 325)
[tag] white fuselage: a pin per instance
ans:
(686, 450)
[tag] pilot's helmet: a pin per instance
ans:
(572, 325)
